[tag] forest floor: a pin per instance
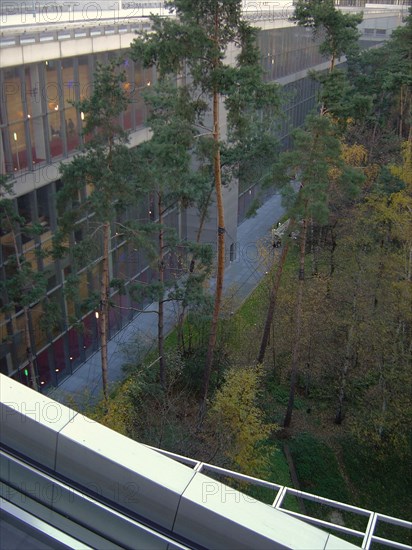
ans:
(331, 463)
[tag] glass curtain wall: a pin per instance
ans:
(39, 125)
(38, 122)
(287, 51)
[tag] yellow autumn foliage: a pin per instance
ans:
(371, 172)
(239, 421)
(404, 171)
(117, 412)
(354, 155)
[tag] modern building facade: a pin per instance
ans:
(48, 55)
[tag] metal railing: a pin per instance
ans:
(368, 534)
(372, 520)
(109, 23)
(73, 33)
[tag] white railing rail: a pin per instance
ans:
(373, 519)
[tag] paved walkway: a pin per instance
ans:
(241, 277)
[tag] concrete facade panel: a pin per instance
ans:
(100, 43)
(126, 39)
(122, 470)
(31, 421)
(11, 57)
(81, 46)
(35, 52)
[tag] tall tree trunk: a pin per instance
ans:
(180, 335)
(27, 339)
(104, 307)
(340, 413)
(203, 218)
(313, 249)
(160, 278)
(220, 252)
(347, 362)
(179, 330)
(274, 366)
(220, 236)
(272, 303)
(298, 327)
(332, 61)
(381, 271)
(384, 403)
(332, 250)
(401, 105)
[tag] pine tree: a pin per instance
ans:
(317, 162)
(25, 285)
(384, 75)
(97, 187)
(337, 30)
(165, 168)
(338, 35)
(197, 41)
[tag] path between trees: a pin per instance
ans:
(241, 277)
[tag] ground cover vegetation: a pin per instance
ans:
(333, 382)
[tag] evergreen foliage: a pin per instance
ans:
(165, 168)
(337, 31)
(197, 40)
(353, 359)
(98, 185)
(24, 285)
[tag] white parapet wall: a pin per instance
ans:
(50, 444)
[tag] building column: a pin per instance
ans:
(39, 142)
(2, 158)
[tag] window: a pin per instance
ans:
(34, 113)
(70, 94)
(24, 208)
(53, 97)
(43, 207)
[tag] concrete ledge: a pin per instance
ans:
(162, 492)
